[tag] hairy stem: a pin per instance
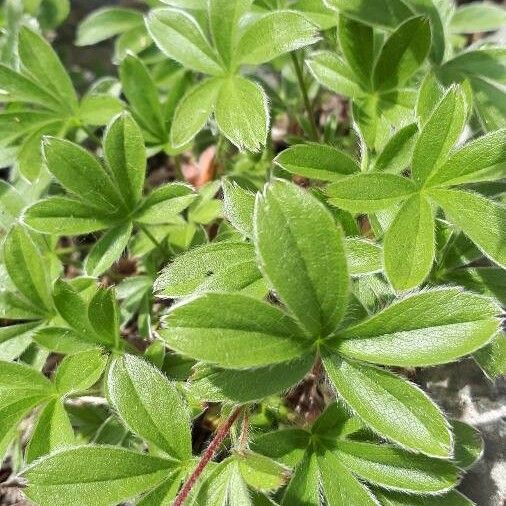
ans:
(303, 89)
(210, 452)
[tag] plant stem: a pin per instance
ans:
(303, 89)
(152, 238)
(210, 452)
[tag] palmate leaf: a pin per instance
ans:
(333, 444)
(370, 192)
(385, 13)
(142, 95)
(107, 22)
(193, 111)
(224, 18)
(436, 326)
(317, 161)
(241, 113)
(357, 43)
(94, 476)
(409, 244)
(274, 34)
(481, 219)
(229, 321)
(41, 63)
(80, 371)
(26, 268)
(402, 54)
(150, 405)
(220, 266)
(239, 386)
(482, 159)
(334, 73)
(431, 147)
(238, 207)
(317, 288)
(125, 157)
(180, 37)
(52, 431)
(391, 406)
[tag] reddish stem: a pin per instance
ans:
(207, 456)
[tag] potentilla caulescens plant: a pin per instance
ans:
(223, 264)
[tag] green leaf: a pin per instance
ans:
(193, 111)
(481, 219)
(396, 469)
(15, 339)
(142, 95)
(274, 34)
(103, 314)
(478, 17)
(492, 358)
(73, 309)
(383, 13)
(107, 22)
(242, 113)
(303, 489)
(285, 445)
(51, 432)
(62, 340)
(357, 44)
(402, 54)
(11, 204)
(468, 444)
(98, 109)
(216, 385)
(224, 19)
(452, 498)
(19, 380)
(333, 73)
(107, 250)
(26, 268)
(164, 203)
(482, 159)
(224, 485)
(391, 406)
(396, 155)
(80, 371)
(179, 36)
(370, 192)
(312, 281)
(439, 134)
(409, 244)
(364, 257)
(260, 472)
(42, 64)
(200, 267)
(150, 405)
(81, 174)
(214, 328)
(340, 487)
(238, 207)
(428, 328)
(93, 476)
(125, 156)
(430, 93)
(317, 161)
(66, 216)
(21, 389)
(18, 88)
